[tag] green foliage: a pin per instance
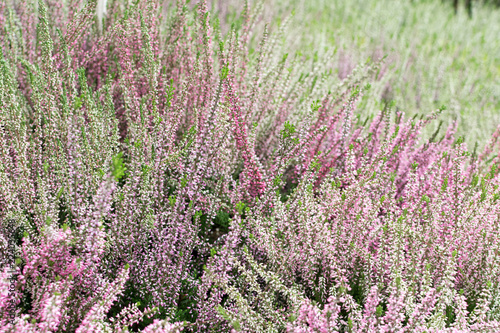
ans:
(171, 200)
(118, 167)
(315, 105)
(235, 323)
(444, 185)
(240, 207)
(184, 181)
(170, 92)
(224, 72)
(288, 132)
(316, 164)
(222, 220)
(77, 104)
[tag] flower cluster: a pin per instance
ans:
(165, 177)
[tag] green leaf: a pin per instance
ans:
(445, 185)
(59, 193)
(288, 131)
(396, 131)
(77, 103)
(355, 92)
(171, 200)
(393, 176)
(398, 281)
(224, 72)
(240, 207)
(236, 325)
(316, 105)
(184, 181)
(475, 180)
(118, 168)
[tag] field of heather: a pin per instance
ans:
(232, 166)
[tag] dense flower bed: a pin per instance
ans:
(158, 176)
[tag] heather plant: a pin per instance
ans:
(163, 177)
